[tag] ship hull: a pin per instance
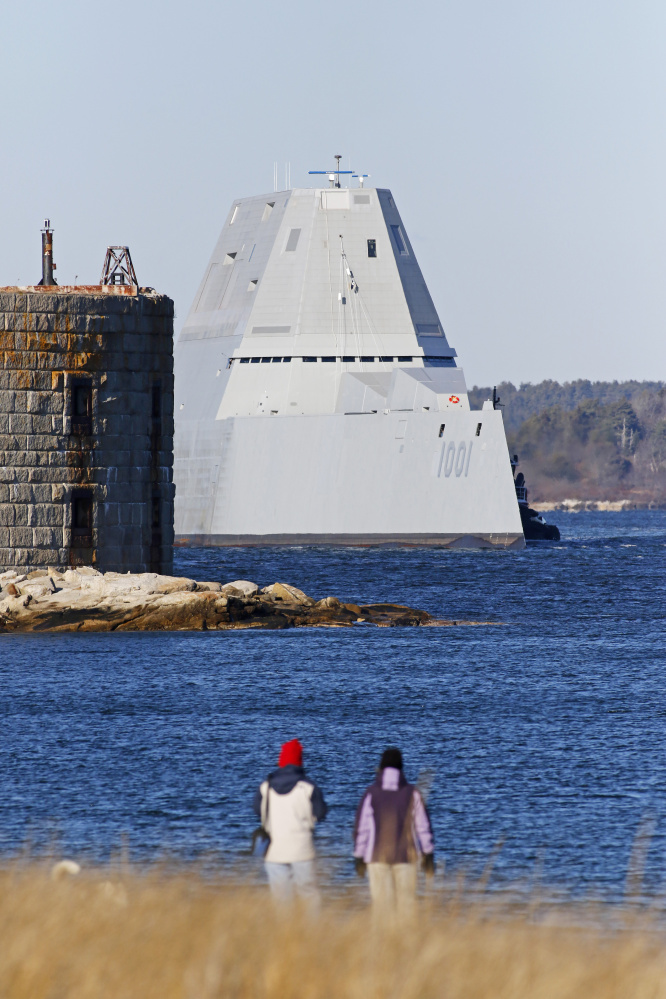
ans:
(385, 478)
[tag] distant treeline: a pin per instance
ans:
(587, 440)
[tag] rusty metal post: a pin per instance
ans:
(47, 254)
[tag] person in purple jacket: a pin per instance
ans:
(391, 833)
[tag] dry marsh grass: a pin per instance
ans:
(168, 935)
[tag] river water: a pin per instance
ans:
(544, 733)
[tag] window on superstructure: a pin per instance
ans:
(270, 205)
(442, 427)
(478, 429)
(399, 241)
(252, 285)
(229, 258)
(233, 215)
(372, 247)
(292, 240)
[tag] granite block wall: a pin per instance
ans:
(86, 428)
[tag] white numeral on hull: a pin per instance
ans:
(455, 457)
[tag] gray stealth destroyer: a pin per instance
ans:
(318, 400)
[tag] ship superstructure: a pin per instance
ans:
(317, 397)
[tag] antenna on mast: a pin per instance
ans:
(333, 175)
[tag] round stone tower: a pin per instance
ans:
(86, 427)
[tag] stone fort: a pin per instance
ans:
(86, 422)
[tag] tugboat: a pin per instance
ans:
(535, 527)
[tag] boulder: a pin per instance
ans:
(40, 586)
(328, 602)
(177, 586)
(243, 586)
(288, 594)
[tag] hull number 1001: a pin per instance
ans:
(454, 458)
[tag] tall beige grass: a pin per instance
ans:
(104, 935)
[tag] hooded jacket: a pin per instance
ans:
(392, 823)
(289, 806)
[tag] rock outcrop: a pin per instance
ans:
(84, 599)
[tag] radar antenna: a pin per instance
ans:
(333, 175)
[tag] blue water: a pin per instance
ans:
(546, 733)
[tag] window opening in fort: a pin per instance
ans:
(372, 247)
(156, 402)
(82, 518)
(155, 512)
(81, 407)
(156, 407)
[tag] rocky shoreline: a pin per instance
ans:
(595, 506)
(84, 599)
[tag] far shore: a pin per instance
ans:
(596, 506)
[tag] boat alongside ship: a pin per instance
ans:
(535, 526)
(318, 400)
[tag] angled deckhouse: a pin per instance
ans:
(317, 397)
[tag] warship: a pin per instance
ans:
(318, 400)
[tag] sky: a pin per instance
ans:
(523, 141)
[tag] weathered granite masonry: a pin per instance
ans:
(86, 428)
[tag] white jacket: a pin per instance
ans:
(289, 820)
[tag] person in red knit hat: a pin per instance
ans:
(289, 805)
